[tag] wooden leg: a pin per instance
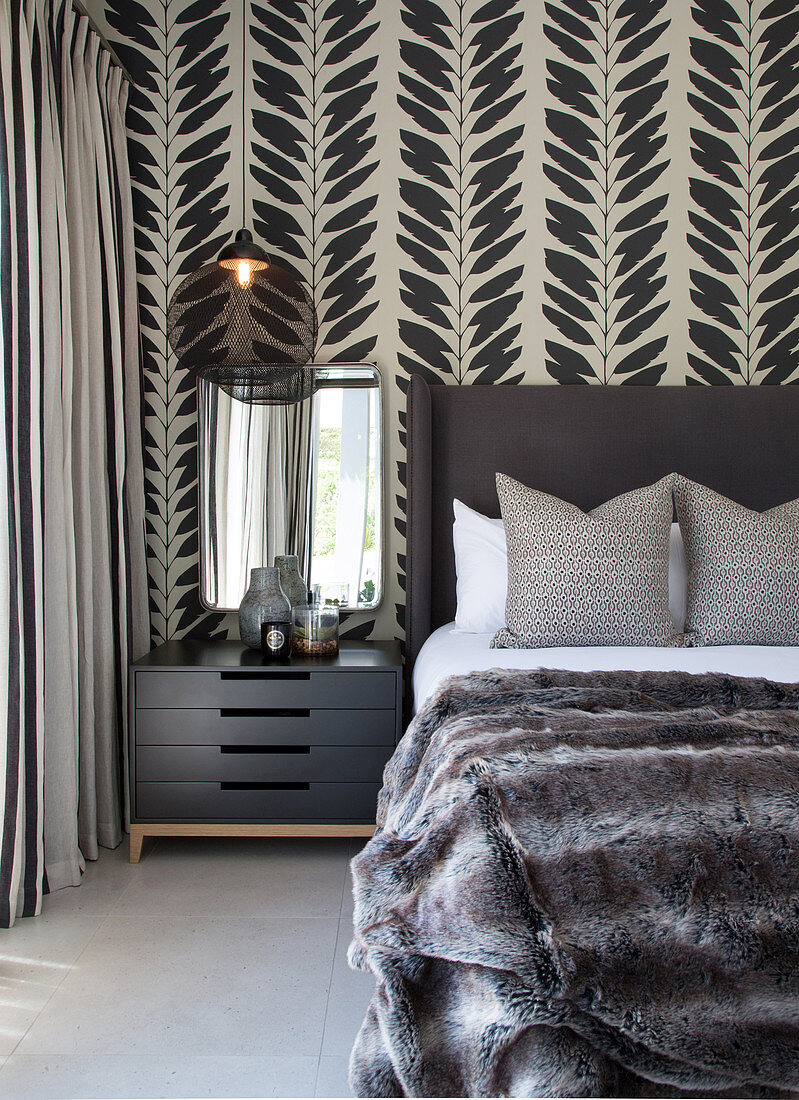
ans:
(136, 838)
(154, 828)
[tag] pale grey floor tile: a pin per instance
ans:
(15, 1021)
(347, 904)
(332, 1078)
(350, 994)
(104, 881)
(80, 1078)
(35, 956)
(187, 986)
(239, 878)
(47, 944)
(356, 845)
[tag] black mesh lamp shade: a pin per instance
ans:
(247, 325)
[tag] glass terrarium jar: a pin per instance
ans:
(315, 631)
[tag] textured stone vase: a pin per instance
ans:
(264, 601)
(290, 580)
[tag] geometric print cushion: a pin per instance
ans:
(743, 569)
(586, 578)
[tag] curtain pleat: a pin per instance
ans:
(93, 446)
(132, 580)
(297, 475)
(72, 565)
(21, 860)
(63, 857)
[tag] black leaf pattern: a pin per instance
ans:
(313, 156)
(605, 217)
(744, 224)
(177, 55)
(459, 213)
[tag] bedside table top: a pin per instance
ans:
(219, 654)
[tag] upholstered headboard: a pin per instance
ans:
(584, 444)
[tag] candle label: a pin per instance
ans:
(276, 641)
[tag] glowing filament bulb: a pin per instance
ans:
(243, 272)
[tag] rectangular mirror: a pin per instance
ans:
(304, 479)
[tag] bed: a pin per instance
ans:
(585, 879)
(449, 653)
(584, 444)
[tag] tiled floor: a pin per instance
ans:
(212, 968)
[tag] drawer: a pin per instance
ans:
(266, 688)
(307, 763)
(212, 802)
(234, 726)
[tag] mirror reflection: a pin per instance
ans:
(302, 479)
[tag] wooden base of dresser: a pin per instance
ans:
(139, 832)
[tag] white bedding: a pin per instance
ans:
(447, 652)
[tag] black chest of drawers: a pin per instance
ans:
(224, 744)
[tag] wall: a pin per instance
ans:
(485, 192)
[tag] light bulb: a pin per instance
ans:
(243, 272)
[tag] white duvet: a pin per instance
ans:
(448, 652)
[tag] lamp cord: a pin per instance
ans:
(244, 82)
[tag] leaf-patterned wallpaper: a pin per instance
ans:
(744, 205)
(482, 191)
(460, 220)
(606, 204)
(179, 135)
(312, 158)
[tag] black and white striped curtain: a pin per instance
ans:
(72, 564)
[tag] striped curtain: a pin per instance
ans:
(72, 565)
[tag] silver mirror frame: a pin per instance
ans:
(202, 464)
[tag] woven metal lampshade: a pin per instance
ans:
(253, 339)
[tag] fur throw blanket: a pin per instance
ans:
(585, 884)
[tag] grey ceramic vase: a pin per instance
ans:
(290, 580)
(264, 602)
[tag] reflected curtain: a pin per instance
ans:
(259, 492)
(72, 563)
(297, 483)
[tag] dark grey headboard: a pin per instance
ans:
(585, 444)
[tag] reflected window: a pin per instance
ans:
(345, 563)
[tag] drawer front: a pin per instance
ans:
(233, 726)
(266, 688)
(327, 764)
(212, 802)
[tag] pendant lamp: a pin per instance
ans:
(245, 323)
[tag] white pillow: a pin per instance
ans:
(481, 568)
(481, 571)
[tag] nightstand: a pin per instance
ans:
(223, 744)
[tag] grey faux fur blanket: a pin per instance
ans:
(585, 884)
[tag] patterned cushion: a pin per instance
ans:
(586, 578)
(743, 569)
